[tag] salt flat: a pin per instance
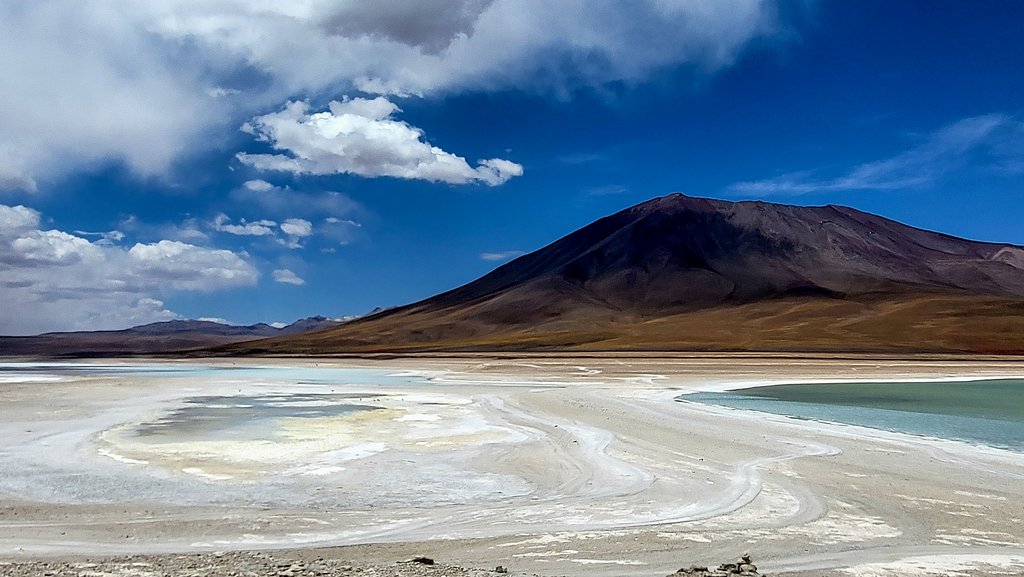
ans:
(543, 464)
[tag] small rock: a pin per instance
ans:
(421, 560)
(500, 569)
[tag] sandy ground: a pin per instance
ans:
(549, 465)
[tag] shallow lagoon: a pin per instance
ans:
(988, 412)
(300, 375)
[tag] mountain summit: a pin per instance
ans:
(678, 272)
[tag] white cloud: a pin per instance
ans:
(217, 320)
(13, 173)
(336, 220)
(70, 283)
(144, 82)
(297, 227)
(341, 230)
(184, 266)
(399, 47)
(54, 247)
(360, 136)
(83, 83)
(262, 227)
(16, 219)
(107, 237)
(941, 152)
(286, 276)
(291, 232)
(501, 255)
(431, 25)
(258, 185)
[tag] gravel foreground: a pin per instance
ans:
(291, 564)
(268, 564)
(234, 564)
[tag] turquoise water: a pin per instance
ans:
(987, 412)
(300, 375)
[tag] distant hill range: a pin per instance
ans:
(682, 273)
(155, 338)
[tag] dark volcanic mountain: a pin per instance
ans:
(162, 337)
(681, 273)
(678, 253)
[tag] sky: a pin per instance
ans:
(258, 161)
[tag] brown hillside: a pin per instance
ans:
(681, 273)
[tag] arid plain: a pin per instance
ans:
(557, 465)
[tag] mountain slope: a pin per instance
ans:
(161, 337)
(688, 273)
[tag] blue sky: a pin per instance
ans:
(256, 163)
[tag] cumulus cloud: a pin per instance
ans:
(258, 186)
(360, 136)
(69, 282)
(17, 219)
(184, 266)
(295, 230)
(995, 137)
(285, 276)
(297, 227)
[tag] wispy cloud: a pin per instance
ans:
(286, 276)
(218, 320)
(501, 255)
(607, 190)
(984, 138)
(222, 223)
(582, 157)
